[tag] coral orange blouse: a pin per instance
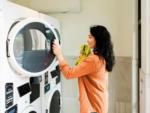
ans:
(92, 80)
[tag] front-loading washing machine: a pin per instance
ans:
(51, 82)
(26, 54)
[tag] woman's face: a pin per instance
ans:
(91, 41)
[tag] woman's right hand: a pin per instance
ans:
(56, 48)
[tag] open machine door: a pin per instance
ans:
(29, 47)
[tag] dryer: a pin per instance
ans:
(51, 90)
(26, 54)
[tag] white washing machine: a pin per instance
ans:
(26, 54)
(51, 91)
(54, 101)
(51, 88)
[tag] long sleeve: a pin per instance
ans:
(92, 81)
(86, 67)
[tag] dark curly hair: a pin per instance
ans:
(104, 46)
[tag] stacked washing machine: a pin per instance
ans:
(28, 66)
(51, 85)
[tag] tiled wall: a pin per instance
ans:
(119, 88)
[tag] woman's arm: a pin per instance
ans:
(86, 67)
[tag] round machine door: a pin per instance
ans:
(29, 46)
(30, 109)
(55, 103)
(58, 34)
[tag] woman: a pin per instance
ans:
(92, 73)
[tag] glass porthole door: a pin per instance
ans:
(30, 47)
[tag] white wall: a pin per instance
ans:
(116, 15)
(145, 23)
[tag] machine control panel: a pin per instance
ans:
(58, 79)
(24, 89)
(55, 72)
(47, 88)
(12, 110)
(9, 97)
(46, 78)
(58, 69)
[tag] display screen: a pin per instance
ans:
(24, 89)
